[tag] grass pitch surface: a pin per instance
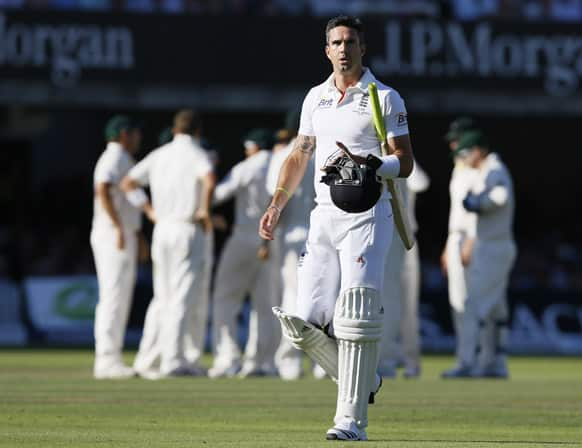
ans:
(49, 399)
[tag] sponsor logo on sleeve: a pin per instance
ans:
(402, 119)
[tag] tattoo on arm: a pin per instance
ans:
(305, 144)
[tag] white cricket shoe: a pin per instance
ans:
(149, 374)
(229, 371)
(346, 432)
(460, 371)
(252, 370)
(184, 371)
(114, 372)
(497, 369)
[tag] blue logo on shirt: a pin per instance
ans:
(325, 103)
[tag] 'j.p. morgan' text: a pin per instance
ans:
(425, 48)
(65, 49)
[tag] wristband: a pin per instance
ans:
(284, 190)
(275, 207)
(390, 167)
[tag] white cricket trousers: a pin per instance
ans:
(178, 257)
(457, 284)
(343, 250)
(487, 281)
(116, 274)
(409, 323)
(149, 353)
(392, 302)
(239, 273)
(288, 356)
(401, 339)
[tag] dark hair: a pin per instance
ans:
(186, 121)
(348, 21)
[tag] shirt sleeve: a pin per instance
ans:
(396, 118)
(306, 120)
(496, 192)
(204, 165)
(108, 169)
(228, 186)
(141, 172)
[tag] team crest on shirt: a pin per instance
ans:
(362, 107)
(325, 103)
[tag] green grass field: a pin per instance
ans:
(49, 399)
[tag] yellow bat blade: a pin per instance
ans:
(377, 112)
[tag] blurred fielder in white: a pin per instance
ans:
(243, 269)
(488, 259)
(460, 224)
(146, 363)
(114, 241)
(182, 181)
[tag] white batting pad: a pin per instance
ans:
(315, 343)
(358, 328)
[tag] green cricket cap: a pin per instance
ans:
(470, 139)
(118, 123)
(458, 127)
(261, 136)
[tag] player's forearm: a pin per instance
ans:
(104, 195)
(290, 176)
(401, 147)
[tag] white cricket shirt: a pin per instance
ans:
(330, 116)
(493, 185)
(460, 220)
(174, 172)
(246, 183)
(112, 166)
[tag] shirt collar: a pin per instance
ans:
(362, 85)
(183, 138)
(116, 146)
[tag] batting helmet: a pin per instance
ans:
(353, 187)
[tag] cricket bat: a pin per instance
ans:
(397, 199)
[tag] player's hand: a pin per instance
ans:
(202, 217)
(219, 223)
(269, 222)
(467, 251)
(360, 160)
(149, 212)
(263, 252)
(472, 203)
(120, 239)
